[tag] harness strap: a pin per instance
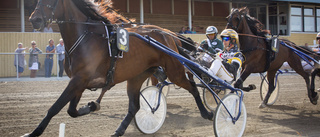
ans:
(76, 44)
(114, 53)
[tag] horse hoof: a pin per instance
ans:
(262, 105)
(210, 117)
(252, 87)
(116, 134)
(97, 106)
(94, 106)
(314, 100)
(26, 135)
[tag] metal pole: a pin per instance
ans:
(189, 14)
(22, 16)
(57, 65)
(17, 65)
(141, 11)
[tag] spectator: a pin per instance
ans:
(211, 44)
(48, 63)
(316, 49)
(48, 29)
(182, 30)
(193, 31)
(34, 59)
(188, 31)
(19, 58)
(60, 52)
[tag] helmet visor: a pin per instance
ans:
(211, 35)
(226, 38)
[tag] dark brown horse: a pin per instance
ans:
(86, 28)
(254, 46)
(316, 69)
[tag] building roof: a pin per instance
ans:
(264, 1)
(303, 1)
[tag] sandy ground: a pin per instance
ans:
(23, 104)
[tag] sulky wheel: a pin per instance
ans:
(264, 90)
(209, 100)
(149, 122)
(223, 125)
(165, 89)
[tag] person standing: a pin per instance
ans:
(48, 63)
(211, 44)
(19, 58)
(60, 51)
(34, 59)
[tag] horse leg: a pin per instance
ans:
(93, 105)
(133, 92)
(313, 96)
(271, 87)
(243, 77)
(313, 75)
(181, 80)
(314, 72)
(69, 93)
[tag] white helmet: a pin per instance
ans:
(211, 30)
(318, 35)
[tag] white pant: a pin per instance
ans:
(218, 69)
(304, 64)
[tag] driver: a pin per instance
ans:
(228, 62)
(316, 49)
(211, 44)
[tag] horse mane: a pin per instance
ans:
(255, 25)
(101, 10)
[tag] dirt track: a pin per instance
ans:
(23, 105)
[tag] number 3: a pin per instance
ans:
(123, 39)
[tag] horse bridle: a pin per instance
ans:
(230, 22)
(52, 7)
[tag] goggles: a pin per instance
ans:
(213, 34)
(226, 38)
(318, 38)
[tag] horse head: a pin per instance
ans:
(50, 11)
(45, 12)
(236, 19)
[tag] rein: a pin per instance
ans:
(250, 35)
(53, 9)
(254, 48)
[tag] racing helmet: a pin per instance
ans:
(318, 36)
(232, 34)
(211, 30)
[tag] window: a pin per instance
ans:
(305, 18)
(309, 19)
(278, 16)
(296, 19)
